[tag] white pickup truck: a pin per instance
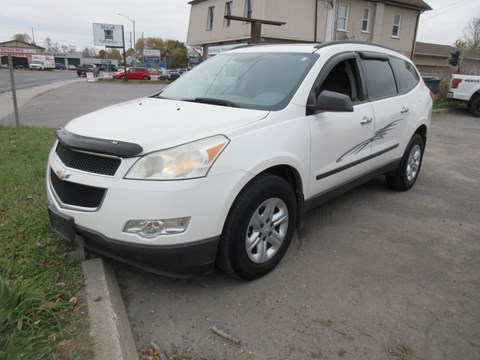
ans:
(466, 88)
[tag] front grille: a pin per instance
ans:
(75, 194)
(92, 163)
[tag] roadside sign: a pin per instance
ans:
(90, 77)
(108, 35)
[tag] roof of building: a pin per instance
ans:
(18, 43)
(422, 48)
(439, 50)
(416, 4)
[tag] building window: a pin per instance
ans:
(342, 20)
(248, 9)
(397, 22)
(228, 11)
(366, 20)
(210, 18)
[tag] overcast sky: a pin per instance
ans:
(70, 22)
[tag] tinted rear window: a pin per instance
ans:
(405, 73)
(380, 80)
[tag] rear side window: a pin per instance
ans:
(405, 73)
(380, 80)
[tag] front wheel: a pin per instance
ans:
(258, 229)
(407, 171)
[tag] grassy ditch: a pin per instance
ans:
(38, 286)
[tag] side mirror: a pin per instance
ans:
(332, 101)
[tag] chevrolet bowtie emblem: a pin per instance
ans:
(62, 175)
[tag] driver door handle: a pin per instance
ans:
(404, 110)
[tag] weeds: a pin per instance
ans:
(36, 280)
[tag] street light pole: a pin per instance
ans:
(133, 47)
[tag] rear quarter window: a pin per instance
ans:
(405, 74)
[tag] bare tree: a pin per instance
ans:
(22, 37)
(51, 45)
(89, 52)
(470, 39)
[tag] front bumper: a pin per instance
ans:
(181, 261)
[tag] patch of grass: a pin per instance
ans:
(449, 104)
(37, 283)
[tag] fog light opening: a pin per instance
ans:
(152, 228)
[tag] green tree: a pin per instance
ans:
(178, 53)
(115, 54)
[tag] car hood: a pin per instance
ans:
(161, 123)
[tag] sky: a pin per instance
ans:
(70, 22)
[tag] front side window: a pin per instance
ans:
(366, 20)
(344, 79)
(397, 20)
(228, 11)
(265, 81)
(342, 20)
(210, 18)
(380, 80)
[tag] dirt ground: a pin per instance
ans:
(373, 274)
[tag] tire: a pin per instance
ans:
(251, 244)
(122, 77)
(146, 78)
(407, 171)
(474, 106)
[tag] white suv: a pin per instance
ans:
(220, 167)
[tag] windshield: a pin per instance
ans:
(265, 81)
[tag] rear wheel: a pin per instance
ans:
(407, 171)
(146, 78)
(258, 229)
(122, 77)
(475, 106)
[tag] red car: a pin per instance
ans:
(134, 73)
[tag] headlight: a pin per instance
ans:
(192, 160)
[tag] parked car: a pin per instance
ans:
(169, 76)
(72, 67)
(83, 69)
(134, 73)
(466, 88)
(60, 66)
(220, 166)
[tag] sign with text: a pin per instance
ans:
(108, 35)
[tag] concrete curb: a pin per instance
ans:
(109, 325)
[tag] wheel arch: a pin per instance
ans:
(422, 131)
(291, 176)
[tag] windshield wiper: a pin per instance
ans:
(214, 101)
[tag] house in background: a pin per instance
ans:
(392, 23)
(432, 59)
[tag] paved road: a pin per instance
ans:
(29, 78)
(54, 108)
(374, 274)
